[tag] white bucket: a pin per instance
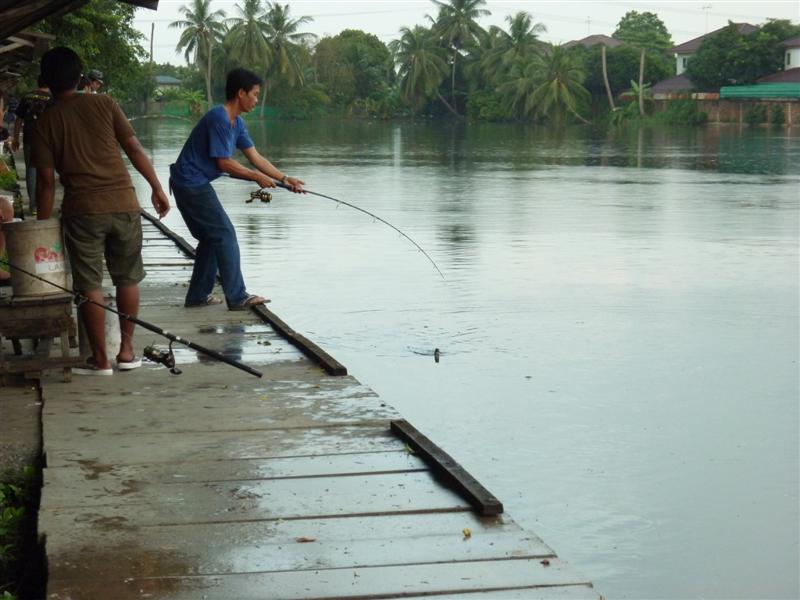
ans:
(36, 247)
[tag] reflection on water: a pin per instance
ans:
(618, 325)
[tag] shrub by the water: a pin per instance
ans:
(756, 115)
(777, 116)
(682, 112)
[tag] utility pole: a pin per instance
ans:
(152, 30)
(706, 7)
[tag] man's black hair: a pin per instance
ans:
(61, 69)
(241, 79)
(40, 82)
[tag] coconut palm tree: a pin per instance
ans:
(422, 66)
(605, 77)
(286, 43)
(247, 36)
(520, 84)
(561, 90)
(457, 26)
(202, 28)
(522, 39)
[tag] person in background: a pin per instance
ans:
(30, 108)
(95, 78)
(207, 154)
(84, 86)
(79, 136)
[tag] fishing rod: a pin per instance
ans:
(166, 358)
(265, 196)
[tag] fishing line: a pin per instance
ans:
(81, 299)
(366, 212)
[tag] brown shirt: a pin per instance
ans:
(78, 136)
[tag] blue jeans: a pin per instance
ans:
(217, 247)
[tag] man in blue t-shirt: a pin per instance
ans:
(207, 154)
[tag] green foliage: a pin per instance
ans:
(203, 30)
(307, 102)
(561, 90)
(15, 495)
(8, 180)
(421, 65)
(247, 38)
(756, 114)
(103, 35)
(623, 67)
(643, 30)
(681, 112)
(354, 66)
(288, 45)
(457, 29)
(777, 116)
(486, 105)
(177, 99)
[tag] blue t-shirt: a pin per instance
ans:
(212, 138)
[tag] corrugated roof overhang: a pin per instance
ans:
(762, 91)
(19, 45)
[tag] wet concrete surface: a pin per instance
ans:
(217, 484)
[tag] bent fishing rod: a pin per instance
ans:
(265, 196)
(167, 359)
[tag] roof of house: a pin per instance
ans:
(167, 80)
(673, 84)
(593, 40)
(792, 42)
(761, 90)
(692, 45)
(787, 76)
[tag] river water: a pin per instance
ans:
(618, 324)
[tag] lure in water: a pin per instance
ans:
(366, 212)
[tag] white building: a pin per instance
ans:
(684, 52)
(792, 57)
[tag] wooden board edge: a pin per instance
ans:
(444, 465)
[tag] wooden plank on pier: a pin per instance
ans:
(444, 465)
(396, 581)
(309, 348)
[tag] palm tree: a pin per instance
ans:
(605, 77)
(422, 67)
(523, 79)
(562, 89)
(285, 44)
(247, 37)
(457, 26)
(202, 28)
(522, 39)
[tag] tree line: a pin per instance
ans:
(449, 67)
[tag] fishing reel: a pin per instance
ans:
(162, 357)
(262, 195)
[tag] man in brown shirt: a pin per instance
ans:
(79, 136)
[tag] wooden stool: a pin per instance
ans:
(36, 317)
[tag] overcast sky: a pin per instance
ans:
(565, 20)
